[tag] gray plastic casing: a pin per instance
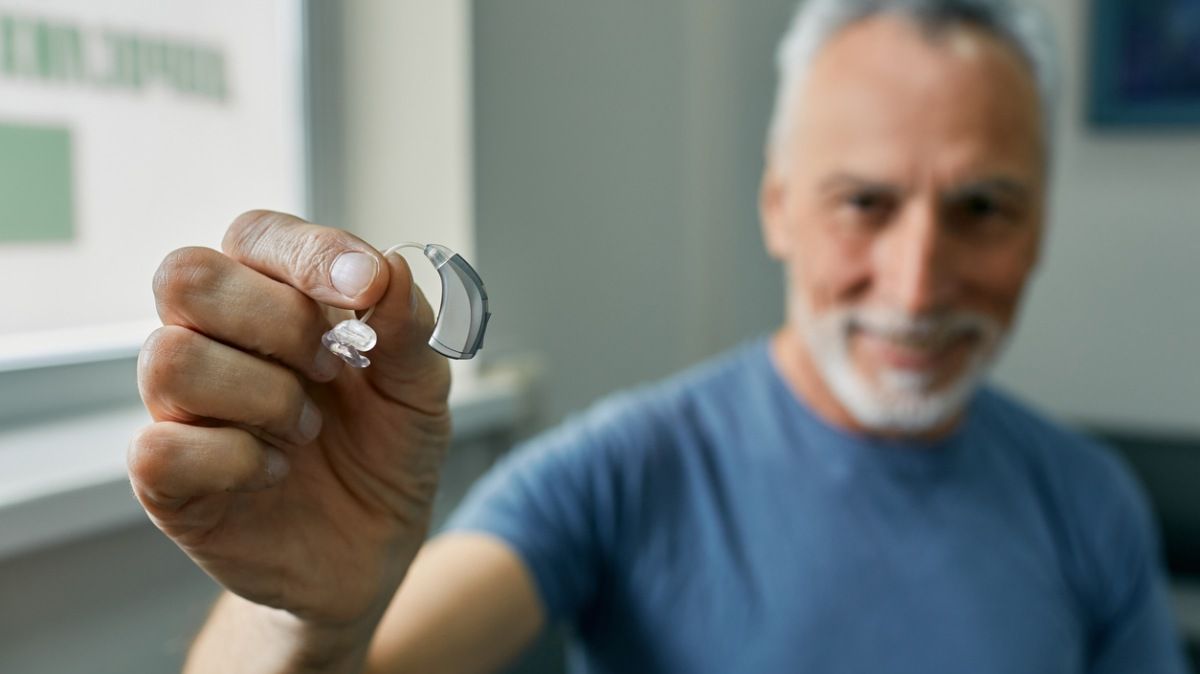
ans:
(463, 315)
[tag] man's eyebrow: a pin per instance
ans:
(1010, 187)
(841, 181)
(1003, 185)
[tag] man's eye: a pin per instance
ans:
(865, 201)
(982, 216)
(980, 206)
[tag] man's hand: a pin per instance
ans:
(296, 482)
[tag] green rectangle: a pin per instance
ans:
(36, 199)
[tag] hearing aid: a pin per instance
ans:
(461, 320)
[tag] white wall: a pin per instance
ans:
(618, 151)
(1112, 326)
(407, 122)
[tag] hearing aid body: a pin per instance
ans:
(461, 321)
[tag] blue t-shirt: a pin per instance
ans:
(713, 523)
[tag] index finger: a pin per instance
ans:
(329, 265)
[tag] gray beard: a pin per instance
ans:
(899, 402)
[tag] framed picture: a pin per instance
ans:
(1144, 63)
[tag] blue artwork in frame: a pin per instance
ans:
(1145, 63)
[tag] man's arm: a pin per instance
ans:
(1134, 629)
(468, 605)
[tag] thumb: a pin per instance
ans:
(403, 366)
(329, 265)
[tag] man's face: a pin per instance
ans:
(906, 202)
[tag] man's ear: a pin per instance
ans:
(772, 210)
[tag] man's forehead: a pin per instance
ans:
(895, 42)
(885, 93)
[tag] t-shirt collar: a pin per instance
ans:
(851, 450)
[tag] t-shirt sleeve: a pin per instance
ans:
(1134, 629)
(552, 501)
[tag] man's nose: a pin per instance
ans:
(914, 270)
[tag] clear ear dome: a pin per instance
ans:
(349, 339)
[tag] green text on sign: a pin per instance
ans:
(36, 201)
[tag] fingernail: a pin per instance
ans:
(326, 365)
(278, 466)
(352, 272)
(309, 425)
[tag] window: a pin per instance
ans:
(126, 133)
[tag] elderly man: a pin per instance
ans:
(840, 497)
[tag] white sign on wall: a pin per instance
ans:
(129, 128)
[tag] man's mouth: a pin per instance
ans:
(909, 350)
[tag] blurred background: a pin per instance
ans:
(598, 162)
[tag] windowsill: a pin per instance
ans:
(67, 478)
(70, 346)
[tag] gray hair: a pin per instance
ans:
(1022, 26)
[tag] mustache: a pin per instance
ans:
(936, 328)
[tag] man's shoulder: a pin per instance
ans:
(1006, 412)
(651, 429)
(723, 379)
(1088, 473)
(1038, 433)
(1099, 513)
(655, 417)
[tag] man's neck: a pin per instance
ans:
(793, 359)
